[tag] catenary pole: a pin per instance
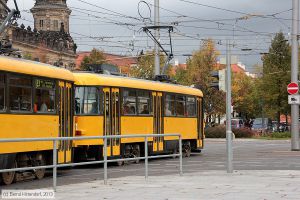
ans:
(228, 110)
(156, 23)
(294, 77)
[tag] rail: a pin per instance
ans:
(105, 161)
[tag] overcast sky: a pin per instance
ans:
(97, 23)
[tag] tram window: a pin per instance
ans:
(170, 105)
(2, 79)
(129, 102)
(79, 94)
(2, 92)
(44, 100)
(2, 98)
(20, 98)
(191, 106)
(87, 101)
(180, 105)
(20, 93)
(144, 103)
(91, 101)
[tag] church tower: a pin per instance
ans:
(51, 15)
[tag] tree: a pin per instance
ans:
(197, 73)
(145, 66)
(96, 57)
(243, 94)
(276, 76)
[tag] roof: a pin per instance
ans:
(237, 69)
(118, 81)
(120, 61)
(22, 66)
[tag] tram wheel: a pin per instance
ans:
(8, 177)
(137, 153)
(120, 163)
(40, 173)
(187, 150)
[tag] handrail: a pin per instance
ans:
(54, 166)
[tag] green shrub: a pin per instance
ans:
(220, 132)
(280, 135)
(243, 133)
(216, 132)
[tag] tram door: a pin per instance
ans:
(112, 119)
(65, 121)
(200, 122)
(158, 142)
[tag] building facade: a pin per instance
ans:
(49, 41)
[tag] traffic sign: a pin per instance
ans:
(292, 88)
(294, 99)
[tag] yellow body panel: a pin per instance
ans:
(187, 127)
(116, 150)
(116, 81)
(34, 68)
(136, 125)
(89, 126)
(27, 126)
(199, 143)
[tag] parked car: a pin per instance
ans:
(262, 125)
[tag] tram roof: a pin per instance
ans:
(92, 79)
(22, 66)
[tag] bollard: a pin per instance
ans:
(180, 156)
(146, 158)
(54, 164)
(105, 160)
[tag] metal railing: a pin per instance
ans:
(105, 161)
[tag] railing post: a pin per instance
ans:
(105, 160)
(54, 164)
(180, 156)
(146, 158)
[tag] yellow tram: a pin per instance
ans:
(35, 102)
(115, 105)
(42, 101)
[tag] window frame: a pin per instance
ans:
(149, 105)
(4, 86)
(9, 85)
(56, 96)
(137, 102)
(195, 103)
(100, 100)
(41, 23)
(8, 75)
(185, 108)
(164, 104)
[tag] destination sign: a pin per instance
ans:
(40, 83)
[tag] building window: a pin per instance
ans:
(87, 101)
(170, 105)
(191, 106)
(20, 94)
(129, 102)
(55, 24)
(144, 103)
(44, 100)
(41, 23)
(2, 92)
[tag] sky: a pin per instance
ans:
(115, 26)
